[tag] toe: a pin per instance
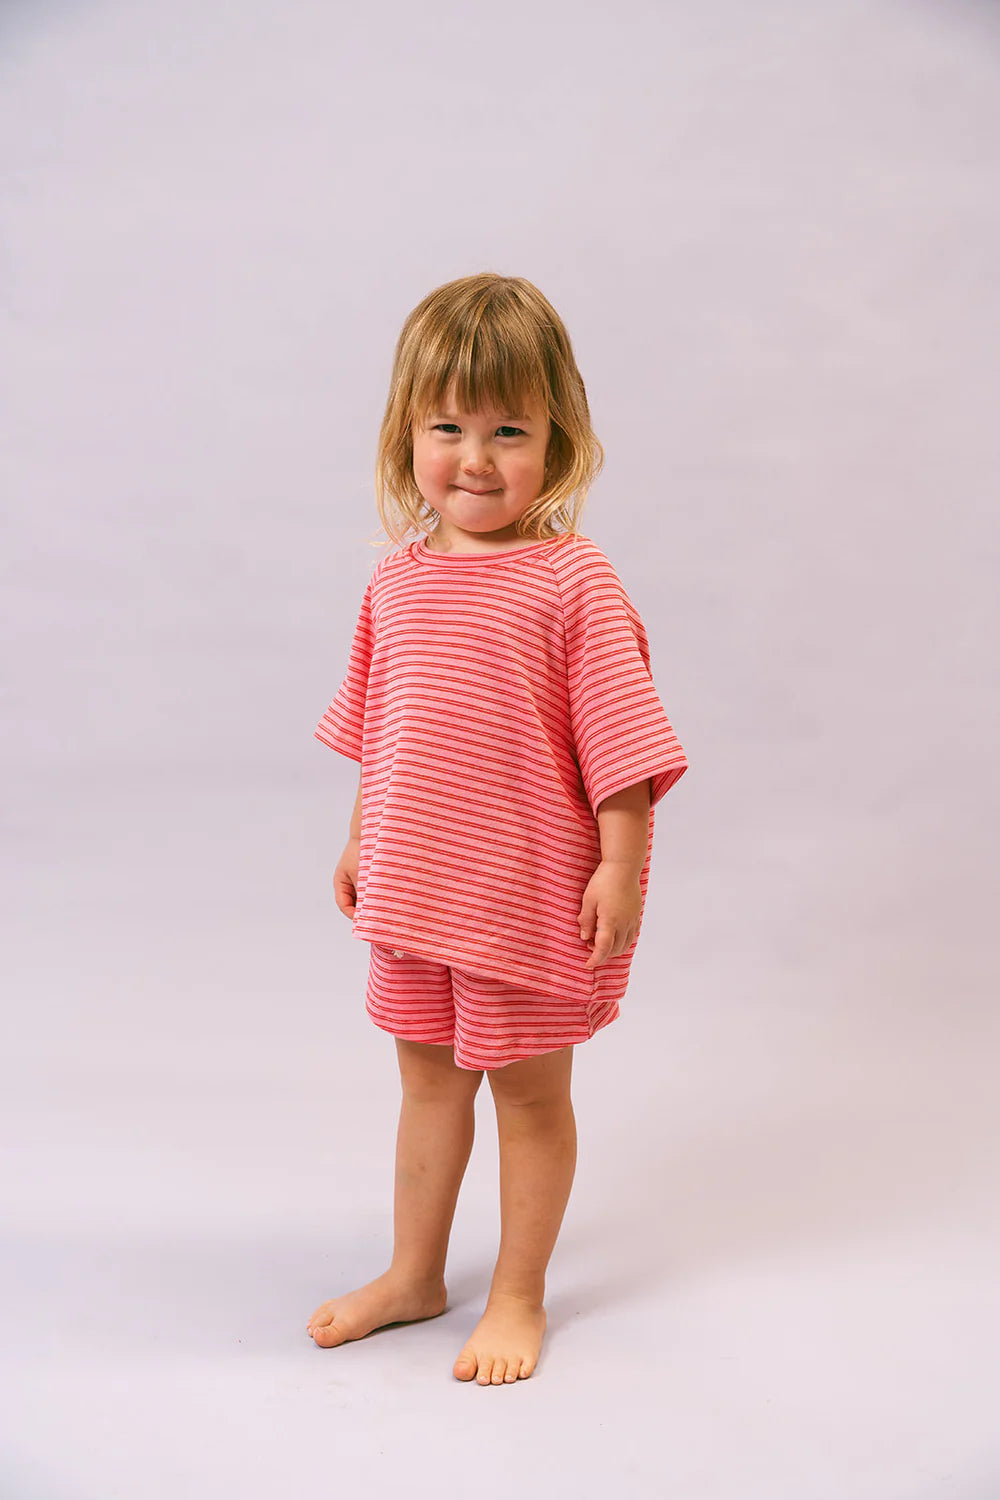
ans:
(499, 1370)
(513, 1366)
(329, 1335)
(465, 1367)
(485, 1370)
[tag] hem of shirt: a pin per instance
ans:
(474, 964)
(331, 744)
(673, 770)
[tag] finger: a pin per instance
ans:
(345, 896)
(602, 947)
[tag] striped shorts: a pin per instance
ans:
(486, 1022)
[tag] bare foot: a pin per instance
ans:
(387, 1299)
(505, 1343)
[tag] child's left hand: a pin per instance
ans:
(610, 912)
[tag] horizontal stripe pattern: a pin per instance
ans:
(493, 702)
(487, 1023)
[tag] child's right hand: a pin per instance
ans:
(345, 878)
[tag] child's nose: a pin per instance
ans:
(477, 456)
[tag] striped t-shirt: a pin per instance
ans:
(493, 701)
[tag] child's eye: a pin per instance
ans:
(502, 428)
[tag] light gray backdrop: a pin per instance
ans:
(773, 232)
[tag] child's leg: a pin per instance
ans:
(436, 1129)
(537, 1131)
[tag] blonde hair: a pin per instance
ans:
(503, 345)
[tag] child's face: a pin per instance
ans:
(479, 470)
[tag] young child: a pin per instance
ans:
(499, 700)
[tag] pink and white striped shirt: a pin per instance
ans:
(494, 701)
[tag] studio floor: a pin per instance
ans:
(776, 1276)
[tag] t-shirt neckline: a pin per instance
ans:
(423, 553)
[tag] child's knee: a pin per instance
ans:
(537, 1081)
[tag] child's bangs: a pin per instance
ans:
(490, 369)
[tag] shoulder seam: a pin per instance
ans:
(591, 553)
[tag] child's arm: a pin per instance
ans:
(611, 908)
(345, 876)
(623, 819)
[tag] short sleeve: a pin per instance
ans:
(620, 728)
(343, 724)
